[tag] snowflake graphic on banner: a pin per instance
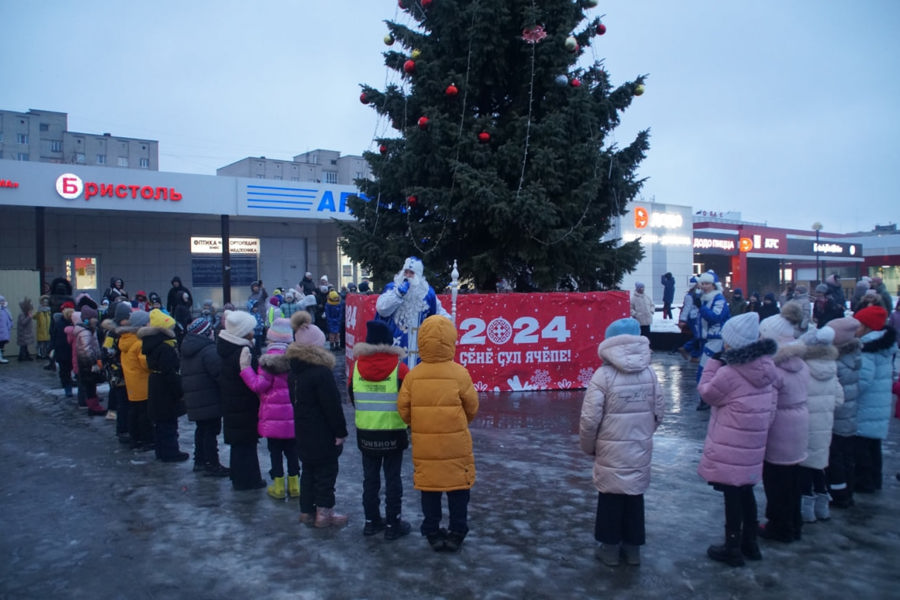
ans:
(499, 331)
(541, 379)
(563, 384)
(584, 377)
(480, 386)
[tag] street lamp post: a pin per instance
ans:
(817, 227)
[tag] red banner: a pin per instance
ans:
(518, 342)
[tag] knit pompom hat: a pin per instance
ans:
(309, 335)
(793, 313)
(741, 330)
(845, 329)
(139, 318)
(88, 313)
(819, 337)
(123, 311)
(378, 333)
(776, 328)
(280, 332)
(873, 317)
(200, 326)
(627, 326)
(159, 319)
(239, 323)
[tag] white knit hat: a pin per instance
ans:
(741, 330)
(239, 323)
(776, 328)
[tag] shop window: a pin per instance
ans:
(82, 272)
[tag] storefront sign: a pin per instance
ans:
(70, 186)
(8, 183)
(824, 248)
(715, 244)
(206, 271)
(307, 200)
(518, 342)
(213, 245)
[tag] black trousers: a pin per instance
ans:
(118, 401)
(317, 485)
(868, 464)
(166, 435)
(740, 507)
(139, 425)
(782, 487)
(64, 363)
(841, 468)
(373, 464)
(244, 466)
(287, 448)
(458, 506)
(206, 444)
(812, 481)
(620, 519)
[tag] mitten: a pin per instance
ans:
(403, 287)
(245, 359)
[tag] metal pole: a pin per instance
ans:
(818, 273)
(226, 260)
(454, 291)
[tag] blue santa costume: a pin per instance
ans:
(405, 303)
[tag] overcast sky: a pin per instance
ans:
(787, 111)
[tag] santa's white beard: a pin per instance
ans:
(409, 314)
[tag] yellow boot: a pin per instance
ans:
(294, 486)
(276, 490)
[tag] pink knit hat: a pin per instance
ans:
(280, 332)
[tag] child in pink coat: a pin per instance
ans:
(740, 386)
(276, 414)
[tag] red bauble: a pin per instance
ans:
(451, 90)
(423, 122)
(484, 137)
(383, 149)
(363, 99)
(401, 4)
(426, 4)
(601, 29)
(412, 200)
(575, 82)
(409, 66)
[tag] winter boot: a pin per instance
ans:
(453, 542)
(68, 390)
(3, 361)
(95, 409)
(307, 518)
(821, 509)
(841, 498)
(326, 517)
(437, 540)
(729, 552)
(608, 554)
(294, 486)
(807, 508)
(216, 469)
(749, 547)
(276, 490)
(373, 526)
(632, 554)
(398, 528)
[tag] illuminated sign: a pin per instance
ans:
(823, 248)
(8, 183)
(70, 186)
(213, 245)
(746, 244)
(715, 244)
(640, 217)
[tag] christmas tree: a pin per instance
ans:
(503, 161)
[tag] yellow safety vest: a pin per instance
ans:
(376, 402)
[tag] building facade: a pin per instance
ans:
(44, 136)
(320, 166)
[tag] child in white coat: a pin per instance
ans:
(622, 408)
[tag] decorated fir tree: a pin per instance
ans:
(503, 160)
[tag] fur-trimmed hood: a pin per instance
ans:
(850, 347)
(821, 351)
(364, 349)
(148, 331)
(750, 352)
(788, 351)
(233, 339)
(310, 354)
(275, 363)
(119, 330)
(876, 341)
(108, 325)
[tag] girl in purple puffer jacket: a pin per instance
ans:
(276, 415)
(740, 386)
